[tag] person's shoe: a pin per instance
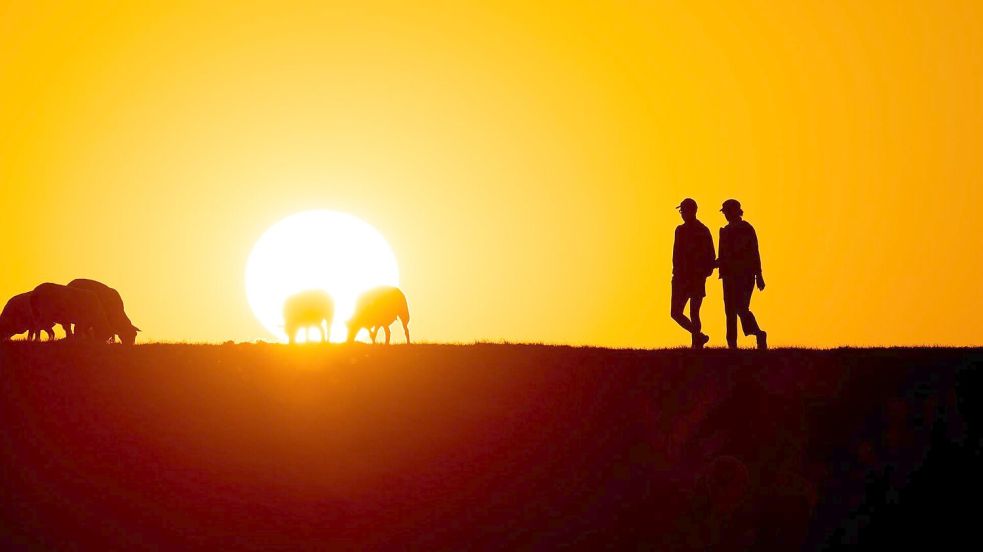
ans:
(762, 340)
(704, 339)
(699, 340)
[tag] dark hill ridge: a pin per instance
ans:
(481, 446)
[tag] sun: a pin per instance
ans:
(327, 250)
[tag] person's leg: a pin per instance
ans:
(730, 312)
(695, 302)
(699, 338)
(677, 303)
(748, 323)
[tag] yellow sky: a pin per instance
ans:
(523, 159)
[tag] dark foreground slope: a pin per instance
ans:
(261, 446)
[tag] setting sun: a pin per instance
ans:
(317, 250)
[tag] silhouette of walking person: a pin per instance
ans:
(692, 264)
(739, 266)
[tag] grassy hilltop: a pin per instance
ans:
(447, 447)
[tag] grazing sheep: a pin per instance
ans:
(112, 305)
(57, 304)
(18, 317)
(308, 309)
(378, 308)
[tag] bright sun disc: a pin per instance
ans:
(328, 250)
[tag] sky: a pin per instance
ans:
(522, 159)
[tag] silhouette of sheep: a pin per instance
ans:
(378, 308)
(58, 304)
(112, 305)
(308, 309)
(18, 317)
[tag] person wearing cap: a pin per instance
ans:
(739, 266)
(692, 263)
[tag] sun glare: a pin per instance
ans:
(327, 250)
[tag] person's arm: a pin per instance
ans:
(757, 260)
(710, 254)
(720, 253)
(676, 253)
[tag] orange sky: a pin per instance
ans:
(523, 159)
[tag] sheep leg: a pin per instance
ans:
(388, 333)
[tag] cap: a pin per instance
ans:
(688, 202)
(730, 205)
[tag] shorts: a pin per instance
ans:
(689, 286)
